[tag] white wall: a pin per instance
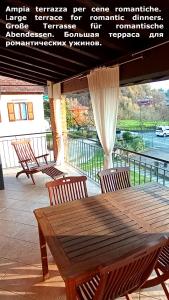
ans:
(22, 126)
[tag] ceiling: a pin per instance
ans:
(59, 63)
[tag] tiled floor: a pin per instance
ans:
(20, 267)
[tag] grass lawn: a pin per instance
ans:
(137, 179)
(95, 164)
(135, 124)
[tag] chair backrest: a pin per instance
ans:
(114, 179)
(24, 151)
(67, 189)
(126, 275)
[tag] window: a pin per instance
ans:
(20, 111)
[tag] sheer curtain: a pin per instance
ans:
(104, 91)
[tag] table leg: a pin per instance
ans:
(44, 257)
(70, 290)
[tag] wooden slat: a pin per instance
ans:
(86, 218)
(88, 263)
(100, 243)
(101, 235)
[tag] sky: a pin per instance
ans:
(160, 84)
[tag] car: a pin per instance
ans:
(162, 131)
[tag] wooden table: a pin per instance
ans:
(85, 234)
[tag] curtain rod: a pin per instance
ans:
(130, 60)
(150, 48)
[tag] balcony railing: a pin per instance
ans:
(40, 142)
(87, 156)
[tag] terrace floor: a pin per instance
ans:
(20, 266)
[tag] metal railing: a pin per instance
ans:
(143, 168)
(40, 142)
(87, 156)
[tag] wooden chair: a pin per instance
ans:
(162, 271)
(67, 189)
(122, 278)
(163, 267)
(114, 179)
(31, 164)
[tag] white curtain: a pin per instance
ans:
(104, 91)
(54, 91)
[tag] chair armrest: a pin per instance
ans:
(24, 160)
(43, 155)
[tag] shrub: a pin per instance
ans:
(127, 136)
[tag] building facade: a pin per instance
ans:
(21, 107)
(21, 116)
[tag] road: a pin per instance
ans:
(157, 147)
(156, 142)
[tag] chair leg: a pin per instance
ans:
(28, 175)
(163, 285)
(19, 173)
(31, 175)
(128, 297)
(22, 172)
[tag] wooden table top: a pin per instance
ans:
(85, 234)
(148, 204)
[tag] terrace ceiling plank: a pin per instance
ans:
(19, 77)
(5, 58)
(52, 65)
(48, 53)
(25, 74)
(17, 67)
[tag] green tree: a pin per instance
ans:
(69, 117)
(46, 109)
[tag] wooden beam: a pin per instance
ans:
(24, 56)
(21, 73)
(9, 74)
(26, 70)
(74, 49)
(6, 57)
(153, 66)
(74, 85)
(52, 54)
